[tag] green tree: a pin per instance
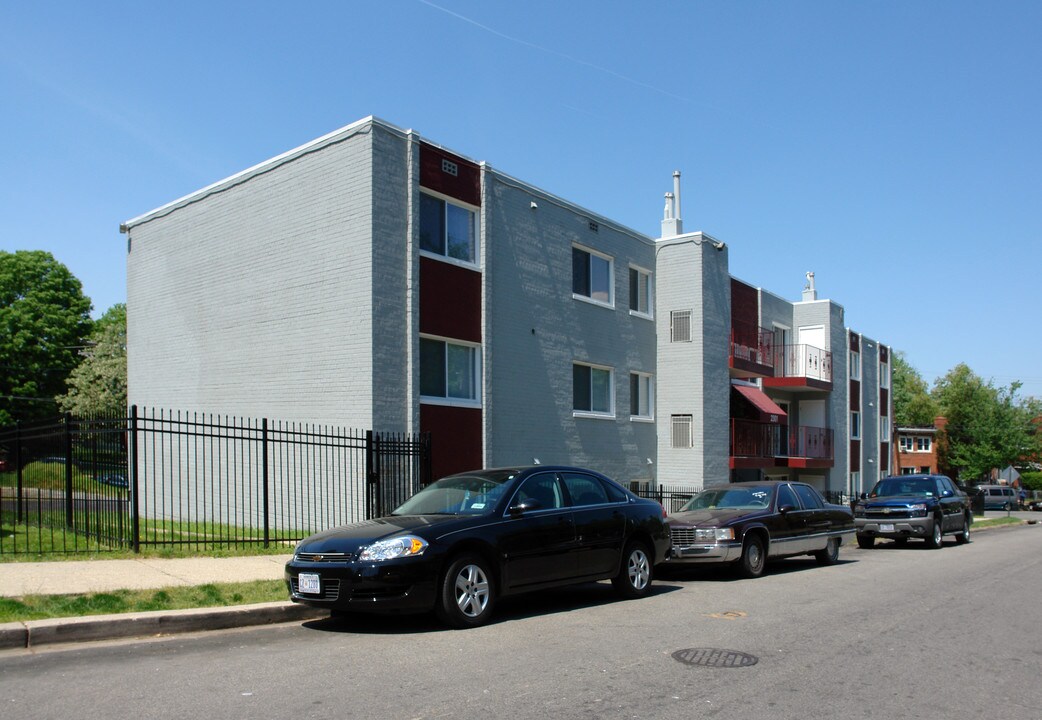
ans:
(913, 406)
(987, 428)
(44, 319)
(98, 385)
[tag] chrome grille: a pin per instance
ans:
(330, 589)
(682, 537)
(325, 557)
(896, 513)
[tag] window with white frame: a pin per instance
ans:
(447, 229)
(855, 365)
(884, 374)
(922, 444)
(904, 443)
(855, 482)
(642, 393)
(640, 291)
(680, 326)
(592, 390)
(592, 276)
(884, 429)
(449, 371)
(682, 431)
(855, 425)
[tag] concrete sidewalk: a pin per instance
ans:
(89, 576)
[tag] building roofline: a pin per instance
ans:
(348, 131)
(560, 202)
(332, 138)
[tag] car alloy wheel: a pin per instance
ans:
(830, 554)
(964, 536)
(753, 560)
(936, 535)
(635, 573)
(467, 592)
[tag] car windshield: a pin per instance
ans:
(731, 498)
(457, 495)
(886, 487)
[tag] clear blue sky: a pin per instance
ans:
(893, 148)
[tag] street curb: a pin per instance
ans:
(34, 633)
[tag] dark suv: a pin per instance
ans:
(913, 506)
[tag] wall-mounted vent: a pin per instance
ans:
(449, 167)
(594, 226)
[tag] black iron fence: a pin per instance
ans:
(162, 478)
(671, 498)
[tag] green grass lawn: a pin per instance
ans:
(51, 541)
(40, 607)
(979, 522)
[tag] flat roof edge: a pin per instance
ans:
(263, 167)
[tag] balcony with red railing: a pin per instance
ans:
(801, 367)
(759, 444)
(752, 352)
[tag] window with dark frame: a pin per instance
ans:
(591, 275)
(447, 229)
(448, 370)
(591, 389)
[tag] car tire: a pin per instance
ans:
(635, 572)
(467, 592)
(1005, 507)
(754, 559)
(865, 541)
(936, 535)
(830, 555)
(964, 537)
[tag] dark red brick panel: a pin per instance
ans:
(456, 444)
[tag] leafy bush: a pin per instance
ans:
(1031, 480)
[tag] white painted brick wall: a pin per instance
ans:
(257, 300)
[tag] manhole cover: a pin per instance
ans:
(714, 657)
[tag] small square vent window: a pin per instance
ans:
(594, 226)
(447, 166)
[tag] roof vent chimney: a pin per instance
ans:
(672, 224)
(809, 293)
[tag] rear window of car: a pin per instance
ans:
(584, 490)
(808, 496)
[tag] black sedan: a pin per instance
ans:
(746, 523)
(466, 540)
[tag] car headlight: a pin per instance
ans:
(396, 547)
(859, 511)
(714, 534)
(917, 510)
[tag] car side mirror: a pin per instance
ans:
(786, 508)
(863, 496)
(526, 506)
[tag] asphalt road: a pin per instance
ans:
(887, 633)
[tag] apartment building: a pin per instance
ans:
(916, 448)
(374, 279)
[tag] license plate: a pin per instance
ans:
(883, 527)
(309, 583)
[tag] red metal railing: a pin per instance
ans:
(753, 345)
(769, 440)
